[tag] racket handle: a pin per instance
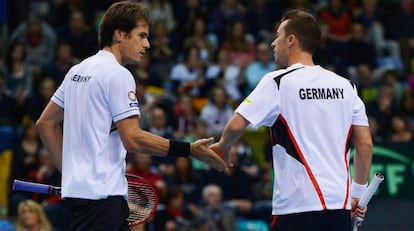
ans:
(19, 185)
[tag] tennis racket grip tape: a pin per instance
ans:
(372, 187)
(19, 185)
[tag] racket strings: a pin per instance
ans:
(141, 201)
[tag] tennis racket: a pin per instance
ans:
(363, 202)
(142, 197)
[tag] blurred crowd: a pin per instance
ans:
(205, 57)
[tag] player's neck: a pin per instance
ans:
(114, 49)
(301, 57)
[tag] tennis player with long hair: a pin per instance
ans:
(100, 112)
(312, 114)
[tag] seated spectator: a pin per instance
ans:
(198, 129)
(18, 81)
(34, 105)
(39, 39)
(225, 74)
(32, 217)
(219, 217)
(162, 11)
(79, 35)
(217, 111)
(184, 113)
(9, 119)
(339, 18)
(60, 65)
(197, 36)
(239, 45)
(358, 51)
(187, 77)
(141, 165)
(176, 215)
(258, 68)
(400, 131)
(187, 179)
(161, 55)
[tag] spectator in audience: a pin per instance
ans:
(328, 54)
(261, 16)
(339, 18)
(219, 217)
(184, 113)
(358, 51)
(225, 74)
(217, 111)
(18, 73)
(39, 39)
(206, 43)
(34, 105)
(371, 17)
(31, 217)
(161, 55)
(197, 128)
(60, 65)
(406, 107)
(239, 45)
(10, 118)
(188, 76)
(25, 160)
(225, 13)
(80, 36)
(383, 109)
(162, 11)
(176, 215)
(400, 131)
(258, 68)
(141, 165)
(187, 179)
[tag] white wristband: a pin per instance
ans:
(358, 190)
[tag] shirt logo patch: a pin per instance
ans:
(132, 96)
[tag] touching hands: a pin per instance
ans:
(224, 153)
(200, 150)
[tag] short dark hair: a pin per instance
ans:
(305, 27)
(123, 16)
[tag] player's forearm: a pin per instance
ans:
(362, 164)
(233, 131)
(51, 137)
(149, 143)
(361, 137)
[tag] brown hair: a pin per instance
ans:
(305, 27)
(123, 16)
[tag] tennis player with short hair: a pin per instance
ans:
(100, 113)
(312, 114)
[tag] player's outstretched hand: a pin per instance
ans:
(223, 153)
(200, 150)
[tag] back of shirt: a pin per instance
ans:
(310, 112)
(94, 95)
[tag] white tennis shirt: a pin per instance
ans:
(310, 112)
(94, 94)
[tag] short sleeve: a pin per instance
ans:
(122, 99)
(262, 106)
(359, 116)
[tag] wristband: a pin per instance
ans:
(358, 190)
(179, 149)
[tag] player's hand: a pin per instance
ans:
(223, 153)
(357, 213)
(201, 151)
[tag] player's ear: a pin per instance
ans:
(118, 35)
